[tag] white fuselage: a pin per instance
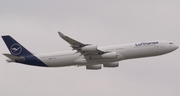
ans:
(125, 51)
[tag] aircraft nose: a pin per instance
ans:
(175, 47)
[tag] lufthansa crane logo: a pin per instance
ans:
(16, 49)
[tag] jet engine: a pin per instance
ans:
(111, 55)
(113, 64)
(89, 48)
(93, 67)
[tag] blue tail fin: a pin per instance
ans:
(19, 51)
(14, 47)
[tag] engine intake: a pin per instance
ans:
(89, 48)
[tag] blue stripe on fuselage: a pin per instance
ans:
(33, 60)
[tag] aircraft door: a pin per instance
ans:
(160, 46)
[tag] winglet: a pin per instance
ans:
(61, 35)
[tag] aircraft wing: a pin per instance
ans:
(84, 49)
(71, 41)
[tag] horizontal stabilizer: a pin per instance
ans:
(12, 57)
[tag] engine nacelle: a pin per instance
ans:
(111, 55)
(93, 67)
(89, 48)
(113, 64)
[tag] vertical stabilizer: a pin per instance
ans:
(20, 54)
(14, 47)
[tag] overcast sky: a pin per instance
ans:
(35, 23)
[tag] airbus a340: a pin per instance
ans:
(88, 55)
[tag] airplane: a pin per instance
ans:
(88, 55)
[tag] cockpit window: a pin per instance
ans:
(170, 43)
